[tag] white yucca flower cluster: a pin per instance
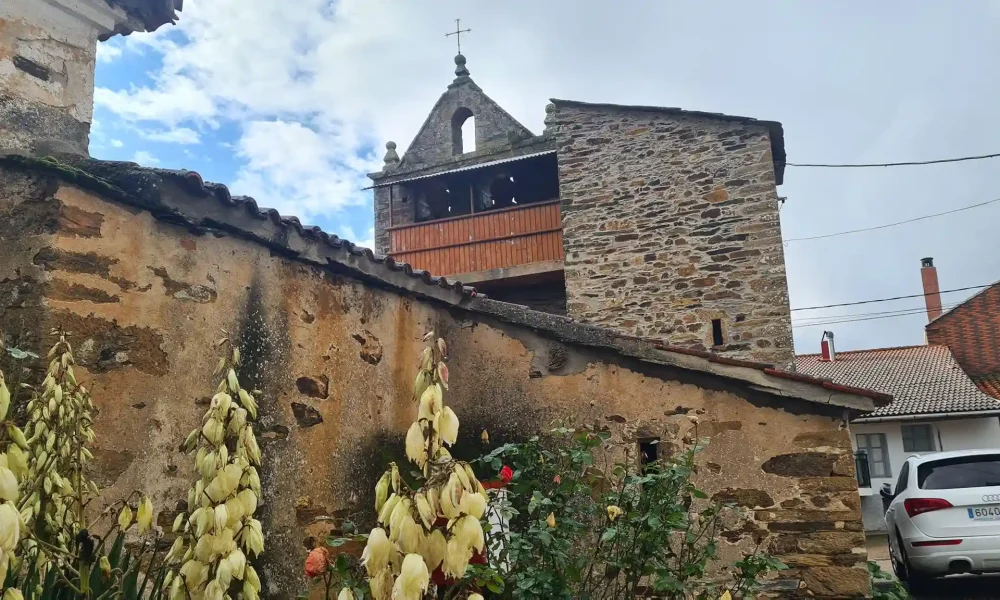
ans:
(219, 529)
(13, 468)
(437, 525)
(59, 429)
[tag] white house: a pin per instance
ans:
(936, 406)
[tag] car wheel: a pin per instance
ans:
(917, 583)
(898, 562)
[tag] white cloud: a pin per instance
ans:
(313, 88)
(298, 170)
(174, 100)
(108, 51)
(117, 143)
(145, 158)
(178, 135)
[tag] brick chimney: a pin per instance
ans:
(932, 293)
(827, 351)
(48, 50)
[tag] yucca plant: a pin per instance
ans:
(46, 548)
(431, 530)
(93, 569)
(219, 532)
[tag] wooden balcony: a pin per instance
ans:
(480, 245)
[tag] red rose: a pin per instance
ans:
(506, 474)
(316, 562)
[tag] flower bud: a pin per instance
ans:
(446, 423)
(178, 523)
(345, 594)
(427, 515)
(381, 492)
(125, 517)
(105, 566)
(413, 578)
(12, 593)
(145, 515)
(375, 556)
(434, 548)
(415, 450)
(10, 527)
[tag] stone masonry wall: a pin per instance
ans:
(145, 298)
(47, 62)
(670, 222)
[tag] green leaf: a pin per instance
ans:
(609, 534)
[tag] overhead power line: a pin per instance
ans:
(906, 313)
(868, 314)
(910, 163)
(887, 225)
(962, 289)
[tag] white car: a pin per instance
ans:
(943, 517)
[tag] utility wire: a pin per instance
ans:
(971, 287)
(825, 318)
(827, 324)
(887, 225)
(893, 164)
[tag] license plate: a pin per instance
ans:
(985, 513)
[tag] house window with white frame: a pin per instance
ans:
(918, 438)
(874, 446)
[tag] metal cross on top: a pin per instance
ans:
(458, 33)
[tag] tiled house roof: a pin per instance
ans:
(923, 380)
(990, 384)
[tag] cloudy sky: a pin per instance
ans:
(291, 101)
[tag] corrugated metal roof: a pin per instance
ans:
(923, 380)
(491, 163)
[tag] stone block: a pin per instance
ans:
(838, 582)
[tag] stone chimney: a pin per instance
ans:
(48, 51)
(932, 293)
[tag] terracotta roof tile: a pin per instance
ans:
(990, 384)
(921, 379)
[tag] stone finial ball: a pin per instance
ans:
(550, 108)
(390, 145)
(459, 60)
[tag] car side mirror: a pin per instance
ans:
(886, 491)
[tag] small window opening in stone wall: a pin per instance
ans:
(718, 338)
(648, 451)
(463, 132)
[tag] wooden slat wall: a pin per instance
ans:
(481, 242)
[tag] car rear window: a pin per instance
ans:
(960, 472)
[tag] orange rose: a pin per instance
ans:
(316, 562)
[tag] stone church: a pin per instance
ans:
(655, 230)
(660, 223)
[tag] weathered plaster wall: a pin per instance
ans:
(47, 58)
(669, 222)
(145, 299)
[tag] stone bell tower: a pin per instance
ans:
(48, 50)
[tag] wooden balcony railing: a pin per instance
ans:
(483, 241)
